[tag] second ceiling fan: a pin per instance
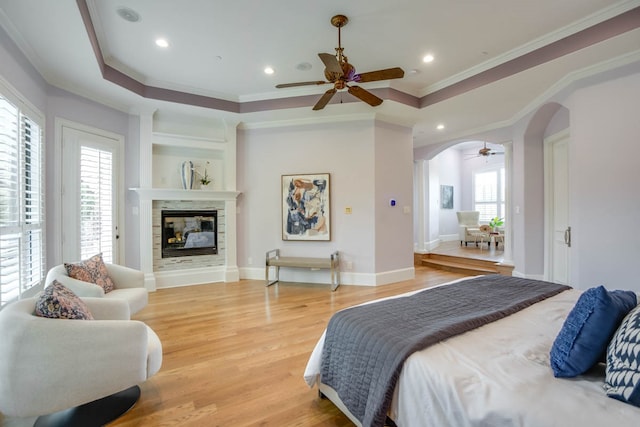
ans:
(339, 72)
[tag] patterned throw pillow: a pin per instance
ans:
(91, 270)
(622, 380)
(587, 330)
(59, 302)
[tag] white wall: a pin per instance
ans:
(357, 155)
(449, 167)
(393, 180)
(604, 184)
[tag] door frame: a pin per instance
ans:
(118, 139)
(548, 201)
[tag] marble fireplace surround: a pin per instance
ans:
(192, 270)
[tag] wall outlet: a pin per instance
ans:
(250, 261)
(349, 265)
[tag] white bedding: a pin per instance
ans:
(499, 375)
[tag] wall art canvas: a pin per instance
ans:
(446, 196)
(306, 207)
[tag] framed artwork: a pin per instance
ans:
(446, 196)
(306, 207)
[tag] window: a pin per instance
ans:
(489, 194)
(22, 245)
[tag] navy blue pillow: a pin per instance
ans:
(623, 361)
(587, 330)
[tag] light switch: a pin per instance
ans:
(406, 209)
(347, 210)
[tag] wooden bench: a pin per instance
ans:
(273, 259)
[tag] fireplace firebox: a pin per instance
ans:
(187, 233)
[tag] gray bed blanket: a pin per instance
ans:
(365, 346)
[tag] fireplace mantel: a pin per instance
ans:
(179, 194)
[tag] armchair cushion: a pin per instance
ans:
(59, 302)
(128, 283)
(92, 270)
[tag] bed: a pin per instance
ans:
(497, 374)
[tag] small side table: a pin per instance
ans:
(496, 237)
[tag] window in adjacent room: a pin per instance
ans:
(22, 242)
(489, 194)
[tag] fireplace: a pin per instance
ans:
(189, 232)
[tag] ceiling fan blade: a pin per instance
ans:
(331, 63)
(387, 74)
(324, 100)
(318, 82)
(365, 95)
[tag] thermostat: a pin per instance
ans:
(392, 202)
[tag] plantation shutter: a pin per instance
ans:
(22, 243)
(96, 207)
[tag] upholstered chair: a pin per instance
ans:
(129, 285)
(468, 226)
(51, 364)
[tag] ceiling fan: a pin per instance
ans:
(339, 72)
(486, 152)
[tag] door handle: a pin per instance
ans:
(567, 237)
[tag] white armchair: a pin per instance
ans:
(129, 285)
(48, 365)
(468, 226)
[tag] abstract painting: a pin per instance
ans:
(446, 196)
(305, 207)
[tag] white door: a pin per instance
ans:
(559, 231)
(91, 180)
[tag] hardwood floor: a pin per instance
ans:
(235, 353)
(484, 252)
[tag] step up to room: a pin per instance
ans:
(462, 265)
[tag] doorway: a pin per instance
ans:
(558, 231)
(92, 180)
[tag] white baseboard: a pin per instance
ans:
(449, 237)
(395, 276)
(324, 276)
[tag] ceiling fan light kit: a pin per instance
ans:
(340, 72)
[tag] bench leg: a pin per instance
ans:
(266, 276)
(335, 278)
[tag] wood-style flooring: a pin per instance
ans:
(235, 353)
(484, 252)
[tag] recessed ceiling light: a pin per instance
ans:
(440, 126)
(428, 58)
(162, 43)
(268, 70)
(128, 14)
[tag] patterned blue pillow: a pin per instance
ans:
(587, 330)
(622, 380)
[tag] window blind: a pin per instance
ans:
(96, 207)
(22, 244)
(489, 194)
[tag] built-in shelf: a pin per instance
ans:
(180, 194)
